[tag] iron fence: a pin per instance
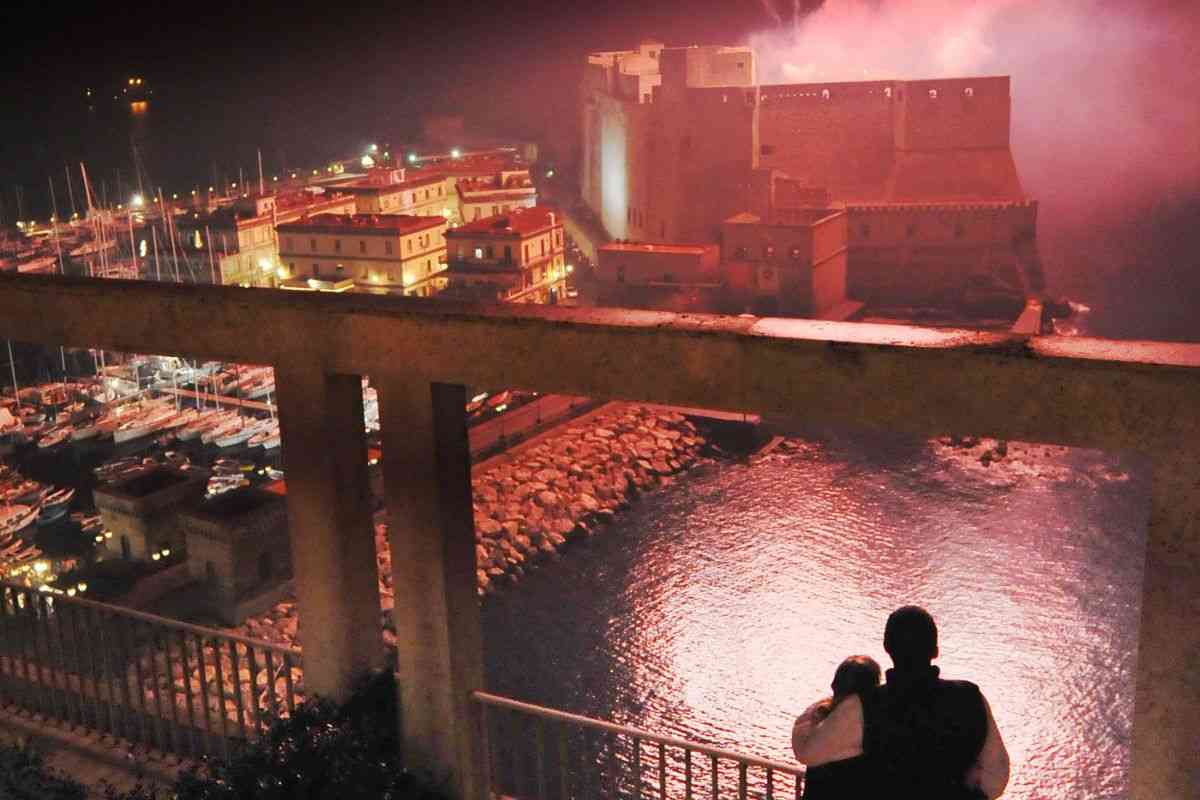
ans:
(154, 682)
(533, 751)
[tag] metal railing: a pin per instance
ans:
(534, 751)
(154, 682)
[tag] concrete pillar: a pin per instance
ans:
(427, 479)
(330, 526)
(1166, 728)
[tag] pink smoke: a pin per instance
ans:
(1106, 95)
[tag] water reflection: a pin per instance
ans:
(718, 609)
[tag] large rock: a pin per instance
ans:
(489, 527)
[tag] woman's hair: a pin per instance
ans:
(855, 675)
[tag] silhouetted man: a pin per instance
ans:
(922, 737)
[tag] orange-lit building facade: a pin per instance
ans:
(393, 190)
(395, 253)
(239, 241)
(518, 257)
(494, 195)
(677, 140)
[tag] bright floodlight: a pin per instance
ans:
(456, 153)
(374, 148)
(136, 201)
(367, 162)
(412, 158)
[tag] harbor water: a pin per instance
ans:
(717, 609)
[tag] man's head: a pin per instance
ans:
(910, 637)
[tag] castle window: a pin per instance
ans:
(768, 251)
(933, 94)
(866, 231)
(668, 278)
(969, 91)
(911, 231)
(362, 246)
(724, 98)
(794, 253)
(824, 94)
(621, 274)
(887, 92)
(740, 253)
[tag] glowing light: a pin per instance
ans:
(570, 269)
(142, 248)
(479, 398)
(174, 197)
(549, 173)
(131, 81)
(281, 273)
(265, 264)
(40, 567)
(412, 158)
(234, 185)
(367, 162)
(82, 587)
(456, 153)
(71, 592)
(137, 201)
(154, 557)
(211, 189)
(374, 148)
(274, 177)
(166, 552)
(108, 534)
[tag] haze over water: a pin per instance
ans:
(717, 609)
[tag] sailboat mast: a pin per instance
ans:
(70, 191)
(54, 225)
(262, 189)
(212, 265)
(157, 266)
(168, 225)
(133, 249)
(12, 365)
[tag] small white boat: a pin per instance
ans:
(242, 434)
(16, 518)
(265, 437)
(152, 422)
(55, 437)
(205, 422)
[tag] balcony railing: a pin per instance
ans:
(154, 682)
(538, 752)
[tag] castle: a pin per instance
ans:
(676, 140)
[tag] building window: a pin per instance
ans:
(410, 245)
(911, 231)
(795, 253)
(887, 92)
(287, 243)
(312, 245)
(340, 269)
(768, 251)
(668, 278)
(766, 150)
(621, 274)
(507, 254)
(958, 231)
(387, 248)
(362, 245)
(969, 91)
(490, 252)
(428, 266)
(543, 247)
(824, 94)
(337, 245)
(866, 231)
(740, 252)
(479, 252)
(316, 270)
(933, 94)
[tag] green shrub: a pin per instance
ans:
(322, 752)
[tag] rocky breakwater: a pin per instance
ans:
(535, 502)
(572, 484)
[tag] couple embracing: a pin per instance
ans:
(915, 736)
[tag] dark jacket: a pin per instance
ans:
(921, 735)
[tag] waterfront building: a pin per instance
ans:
(239, 242)
(494, 195)
(395, 190)
(399, 253)
(518, 257)
(792, 262)
(676, 140)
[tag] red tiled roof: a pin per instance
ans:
(516, 223)
(497, 197)
(398, 224)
